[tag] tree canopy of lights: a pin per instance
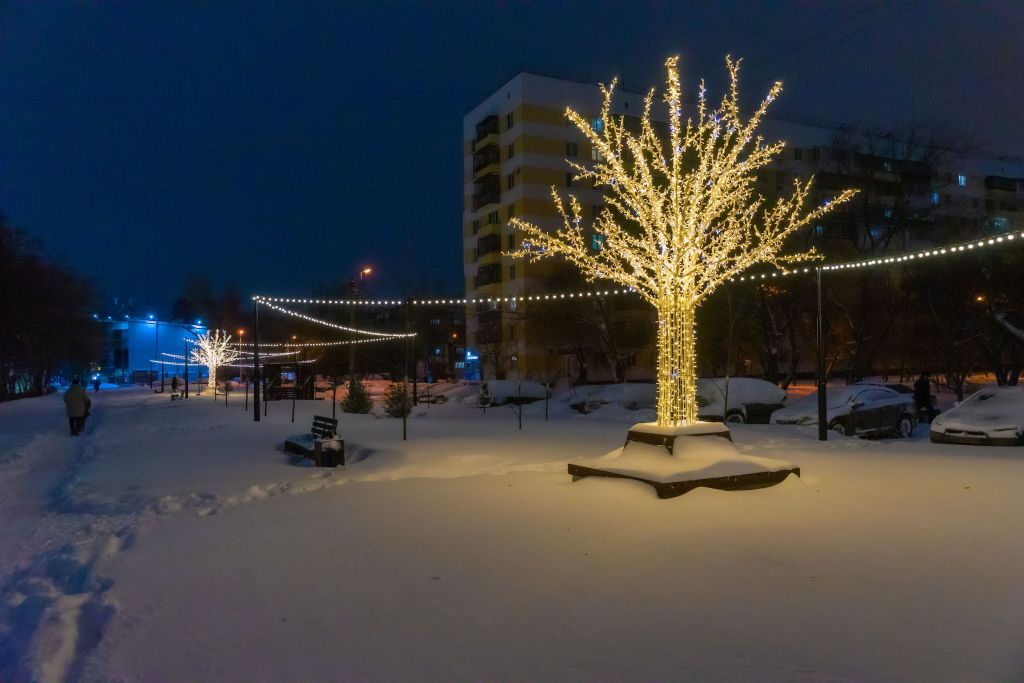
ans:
(213, 350)
(681, 216)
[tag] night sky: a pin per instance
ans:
(282, 145)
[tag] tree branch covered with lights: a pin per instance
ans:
(213, 350)
(681, 217)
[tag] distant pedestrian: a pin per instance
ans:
(76, 404)
(96, 385)
(923, 394)
(174, 384)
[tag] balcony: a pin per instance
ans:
(489, 126)
(488, 327)
(488, 244)
(487, 275)
(486, 156)
(486, 190)
(995, 182)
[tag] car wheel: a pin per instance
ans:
(735, 418)
(840, 428)
(905, 427)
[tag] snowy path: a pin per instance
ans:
(178, 543)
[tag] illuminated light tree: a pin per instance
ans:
(214, 349)
(680, 218)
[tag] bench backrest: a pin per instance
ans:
(324, 427)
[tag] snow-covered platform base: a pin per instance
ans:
(675, 460)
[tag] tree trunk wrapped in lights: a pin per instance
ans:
(680, 218)
(214, 349)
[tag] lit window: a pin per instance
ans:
(596, 155)
(596, 124)
(1000, 223)
(887, 212)
(597, 241)
(935, 198)
(819, 230)
(961, 180)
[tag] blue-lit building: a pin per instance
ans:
(139, 348)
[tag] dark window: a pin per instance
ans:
(510, 120)
(568, 179)
(798, 154)
(511, 150)
(512, 272)
(572, 149)
(511, 242)
(512, 210)
(510, 181)
(476, 226)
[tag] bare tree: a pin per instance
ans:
(681, 217)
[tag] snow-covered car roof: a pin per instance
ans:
(989, 408)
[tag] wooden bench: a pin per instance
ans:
(322, 445)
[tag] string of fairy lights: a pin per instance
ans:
(955, 249)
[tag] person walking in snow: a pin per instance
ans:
(174, 384)
(923, 394)
(76, 404)
(95, 385)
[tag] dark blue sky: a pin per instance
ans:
(280, 145)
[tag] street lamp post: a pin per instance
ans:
(158, 352)
(352, 315)
(242, 374)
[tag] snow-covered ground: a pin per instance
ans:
(175, 541)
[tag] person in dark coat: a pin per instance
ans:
(923, 394)
(76, 404)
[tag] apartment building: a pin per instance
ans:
(515, 145)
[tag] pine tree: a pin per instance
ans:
(358, 398)
(396, 400)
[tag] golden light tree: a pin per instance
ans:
(681, 216)
(214, 349)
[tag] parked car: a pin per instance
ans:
(861, 409)
(993, 416)
(742, 399)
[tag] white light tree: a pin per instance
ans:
(214, 349)
(681, 217)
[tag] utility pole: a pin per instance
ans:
(186, 367)
(822, 404)
(256, 360)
